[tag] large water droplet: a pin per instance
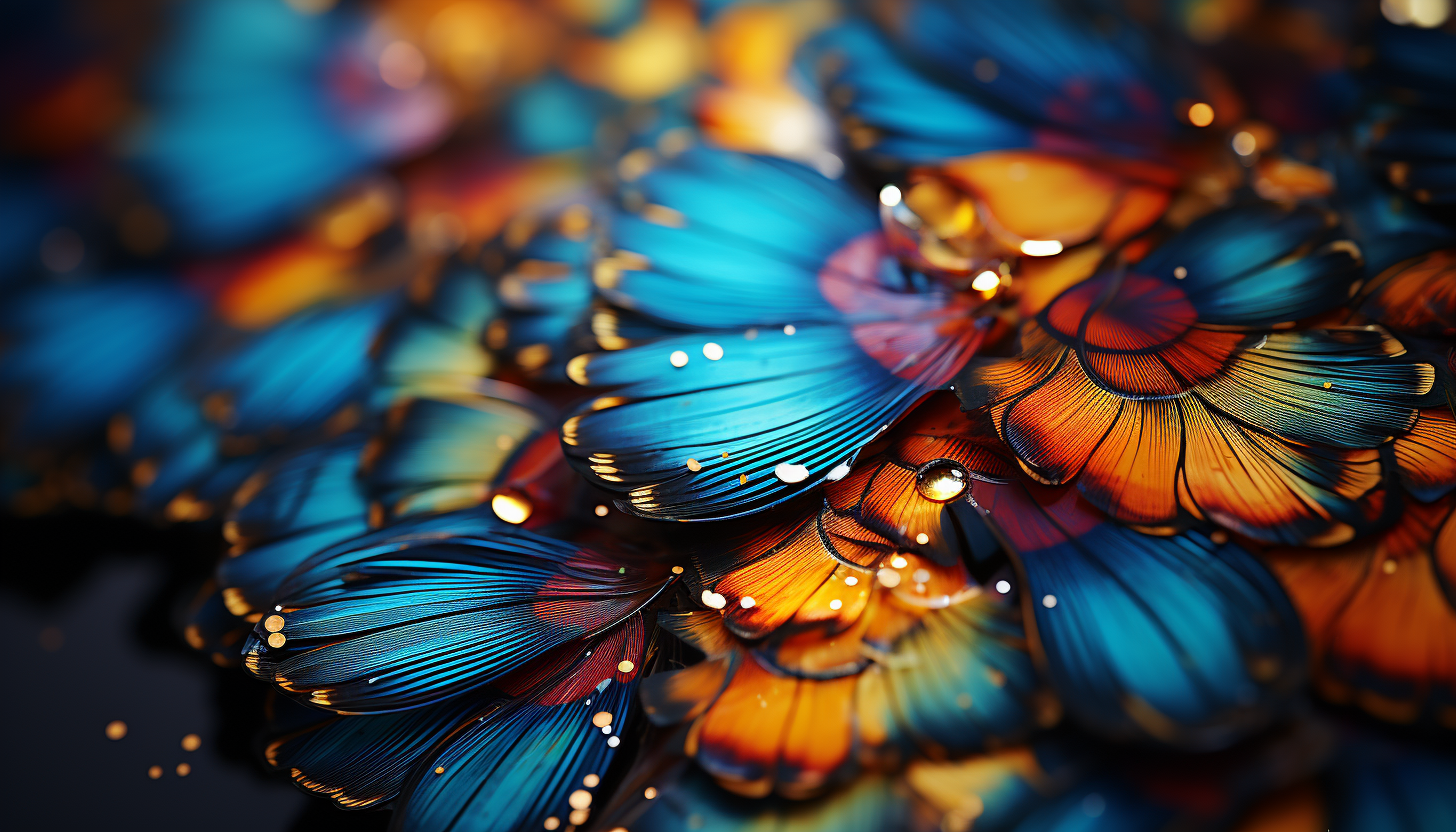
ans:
(942, 480)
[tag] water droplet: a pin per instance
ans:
(790, 473)
(942, 480)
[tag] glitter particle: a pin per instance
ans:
(191, 742)
(115, 729)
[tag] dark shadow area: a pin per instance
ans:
(94, 609)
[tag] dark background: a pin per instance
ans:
(91, 610)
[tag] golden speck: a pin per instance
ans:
(155, 772)
(273, 623)
(578, 817)
(725, 454)
(625, 666)
(1200, 115)
(694, 465)
(1389, 566)
(512, 507)
(439, 769)
(579, 799)
(552, 822)
(191, 742)
(1327, 385)
(277, 640)
(678, 358)
(898, 562)
(591, 781)
(677, 570)
(712, 351)
(115, 729)
(743, 479)
(602, 719)
(600, 511)
(986, 281)
(183, 769)
(650, 793)
(922, 538)
(1180, 272)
